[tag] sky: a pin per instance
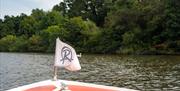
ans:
(16, 7)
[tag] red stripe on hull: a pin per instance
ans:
(71, 87)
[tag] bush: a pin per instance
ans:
(50, 34)
(7, 43)
(12, 43)
(35, 44)
(20, 44)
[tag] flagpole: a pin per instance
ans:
(55, 73)
(55, 67)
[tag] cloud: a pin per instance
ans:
(16, 7)
(46, 4)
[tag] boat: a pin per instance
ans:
(64, 85)
(65, 57)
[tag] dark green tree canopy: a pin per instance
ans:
(97, 26)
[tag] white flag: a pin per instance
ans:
(65, 56)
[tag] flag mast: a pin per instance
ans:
(55, 73)
(55, 67)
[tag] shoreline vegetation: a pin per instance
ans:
(145, 54)
(97, 26)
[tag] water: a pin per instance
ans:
(145, 73)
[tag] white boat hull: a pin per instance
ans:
(50, 85)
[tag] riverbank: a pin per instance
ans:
(158, 53)
(119, 53)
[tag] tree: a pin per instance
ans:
(50, 34)
(7, 43)
(40, 17)
(28, 26)
(35, 44)
(12, 43)
(11, 25)
(8, 26)
(93, 10)
(54, 18)
(61, 7)
(172, 24)
(172, 19)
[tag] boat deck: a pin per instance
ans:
(50, 85)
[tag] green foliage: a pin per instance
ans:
(97, 26)
(81, 33)
(172, 22)
(20, 44)
(50, 34)
(12, 43)
(54, 18)
(7, 42)
(35, 44)
(11, 25)
(95, 10)
(28, 26)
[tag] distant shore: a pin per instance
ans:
(135, 53)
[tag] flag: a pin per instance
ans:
(65, 56)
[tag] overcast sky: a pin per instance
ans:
(16, 7)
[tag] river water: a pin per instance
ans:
(145, 73)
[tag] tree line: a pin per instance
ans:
(97, 26)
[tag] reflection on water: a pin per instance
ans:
(136, 72)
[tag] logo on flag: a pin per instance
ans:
(66, 54)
